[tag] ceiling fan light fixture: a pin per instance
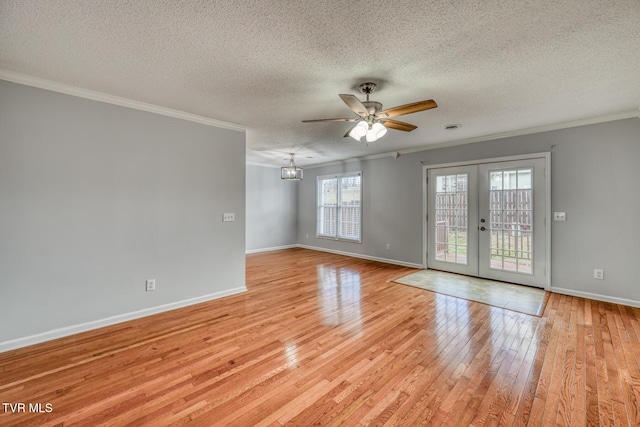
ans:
(377, 131)
(371, 136)
(291, 172)
(369, 115)
(359, 130)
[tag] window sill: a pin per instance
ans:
(338, 239)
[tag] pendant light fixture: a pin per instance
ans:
(291, 172)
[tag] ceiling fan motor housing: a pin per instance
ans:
(372, 106)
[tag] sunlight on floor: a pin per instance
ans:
(524, 299)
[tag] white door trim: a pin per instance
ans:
(545, 155)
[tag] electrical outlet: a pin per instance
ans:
(598, 273)
(388, 246)
(307, 236)
(151, 285)
(559, 216)
(228, 217)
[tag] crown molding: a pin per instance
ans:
(528, 131)
(115, 100)
(355, 159)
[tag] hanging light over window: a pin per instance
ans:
(291, 172)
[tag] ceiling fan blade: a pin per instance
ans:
(329, 120)
(407, 109)
(397, 125)
(355, 104)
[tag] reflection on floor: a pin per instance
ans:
(524, 299)
(339, 294)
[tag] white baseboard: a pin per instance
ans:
(96, 324)
(275, 248)
(367, 257)
(597, 297)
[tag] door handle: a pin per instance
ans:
(482, 229)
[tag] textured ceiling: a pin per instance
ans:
(492, 66)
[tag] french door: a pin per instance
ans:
(488, 220)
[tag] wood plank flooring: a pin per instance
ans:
(321, 339)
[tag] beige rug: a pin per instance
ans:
(524, 299)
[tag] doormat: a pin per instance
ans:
(520, 298)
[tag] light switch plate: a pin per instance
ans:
(228, 217)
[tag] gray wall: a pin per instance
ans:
(595, 178)
(391, 209)
(272, 208)
(96, 198)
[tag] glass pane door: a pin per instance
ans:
(512, 234)
(452, 208)
(488, 220)
(452, 238)
(511, 226)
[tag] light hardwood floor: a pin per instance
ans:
(321, 339)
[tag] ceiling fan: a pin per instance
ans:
(371, 120)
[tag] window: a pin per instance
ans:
(340, 206)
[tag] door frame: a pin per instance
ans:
(547, 220)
